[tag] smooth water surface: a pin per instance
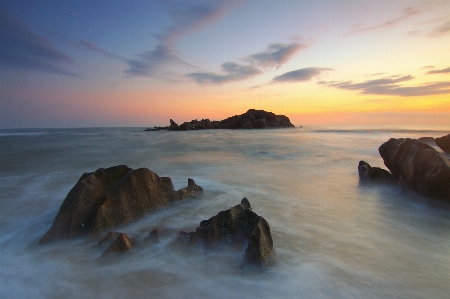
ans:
(334, 238)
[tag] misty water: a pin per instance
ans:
(333, 237)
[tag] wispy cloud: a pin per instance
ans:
(95, 48)
(187, 17)
(21, 48)
(274, 56)
(406, 14)
(300, 75)
(391, 86)
(231, 72)
(441, 30)
(443, 71)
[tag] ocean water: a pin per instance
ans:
(333, 237)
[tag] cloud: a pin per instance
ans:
(300, 75)
(276, 54)
(443, 71)
(231, 72)
(21, 48)
(390, 86)
(441, 30)
(187, 17)
(406, 14)
(93, 47)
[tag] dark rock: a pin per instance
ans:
(186, 126)
(123, 243)
(259, 123)
(237, 225)
(154, 236)
(172, 123)
(444, 143)
(368, 173)
(248, 125)
(113, 196)
(418, 166)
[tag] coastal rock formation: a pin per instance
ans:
(444, 143)
(121, 244)
(418, 166)
(113, 196)
(238, 224)
(368, 173)
(252, 119)
(427, 140)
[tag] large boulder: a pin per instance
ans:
(444, 143)
(113, 196)
(418, 166)
(238, 224)
(368, 173)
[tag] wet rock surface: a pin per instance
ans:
(418, 166)
(368, 173)
(444, 143)
(113, 196)
(238, 224)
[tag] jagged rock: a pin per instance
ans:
(113, 196)
(237, 225)
(418, 166)
(121, 244)
(368, 173)
(154, 236)
(172, 123)
(444, 143)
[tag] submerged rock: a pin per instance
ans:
(444, 143)
(368, 173)
(113, 196)
(121, 244)
(418, 166)
(236, 225)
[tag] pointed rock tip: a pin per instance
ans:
(246, 204)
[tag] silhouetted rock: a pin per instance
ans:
(418, 166)
(113, 196)
(238, 224)
(121, 244)
(368, 173)
(444, 143)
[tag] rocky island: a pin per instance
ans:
(252, 119)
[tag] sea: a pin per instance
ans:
(334, 237)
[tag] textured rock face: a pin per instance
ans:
(368, 173)
(418, 166)
(113, 196)
(444, 143)
(121, 244)
(238, 224)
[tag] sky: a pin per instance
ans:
(140, 63)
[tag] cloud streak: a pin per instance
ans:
(300, 75)
(274, 56)
(443, 71)
(391, 86)
(231, 72)
(187, 17)
(406, 14)
(95, 48)
(21, 48)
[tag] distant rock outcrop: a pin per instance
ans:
(444, 143)
(427, 140)
(237, 224)
(418, 166)
(113, 196)
(252, 119)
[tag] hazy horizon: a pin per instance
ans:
(140, 63)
